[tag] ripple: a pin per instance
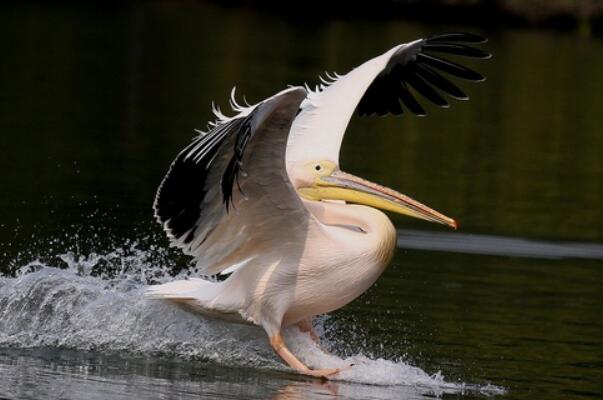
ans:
(470, 243)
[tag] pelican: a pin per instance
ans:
(260, 196)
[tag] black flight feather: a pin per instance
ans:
(418, 66)
(179, 199)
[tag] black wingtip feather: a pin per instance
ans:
(426, 91)
(177, 202)
(440, 82)
(408, 99)
(417, 66)
(450, 67)
(463, 37)
(180, 194)
(457, 49)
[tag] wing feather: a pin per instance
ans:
(226, 193)
(382, 86)
(229, 188)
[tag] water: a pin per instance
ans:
(95, 103)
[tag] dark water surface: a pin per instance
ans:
(95, 103)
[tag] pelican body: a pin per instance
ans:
(261, 198)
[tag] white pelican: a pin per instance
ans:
(261, 196)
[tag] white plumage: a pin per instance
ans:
(261, 195)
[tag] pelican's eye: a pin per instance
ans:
(319, 168)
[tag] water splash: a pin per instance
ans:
(56, 307)
(95, 302)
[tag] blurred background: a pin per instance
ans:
(96, 100)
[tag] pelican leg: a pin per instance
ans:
(306, 327)
(278, 344)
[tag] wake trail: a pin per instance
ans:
(68, 308)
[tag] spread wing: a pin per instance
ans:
(228, 191)
(386, 84)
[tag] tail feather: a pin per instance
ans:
(201, 296)
(191, 289)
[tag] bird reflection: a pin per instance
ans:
(308, 390)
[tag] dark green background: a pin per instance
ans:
(95, 103)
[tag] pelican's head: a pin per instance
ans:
(323, 180)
